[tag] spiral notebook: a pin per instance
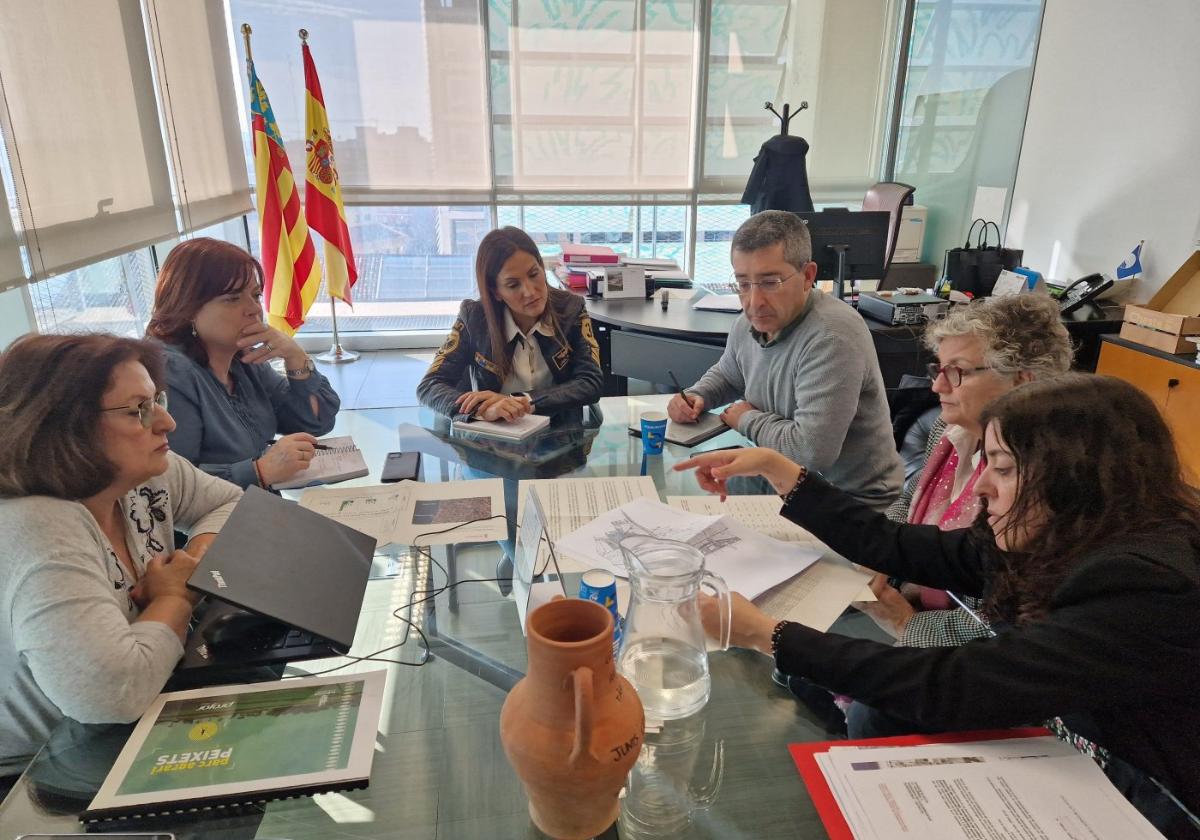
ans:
(339, 460)
(233, 745)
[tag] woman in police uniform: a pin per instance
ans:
(522, 347)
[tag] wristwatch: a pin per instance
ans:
(307, 370)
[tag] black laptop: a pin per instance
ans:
(282, 584)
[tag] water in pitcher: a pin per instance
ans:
(671, 676)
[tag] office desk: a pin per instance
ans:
(439, 769)
(639, 340)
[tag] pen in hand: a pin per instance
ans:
(321, 446)
(679, 388)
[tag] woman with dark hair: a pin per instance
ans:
(522, 347)
(94, 595)
(1087, 557)
(228, 403)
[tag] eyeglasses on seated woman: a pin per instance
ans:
(95, 598)
(1086, 555)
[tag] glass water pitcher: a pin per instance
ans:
(663, 652)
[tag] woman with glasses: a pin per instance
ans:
(984, 351)
(522, 348)
(95, 600)
(1086, 554)
(230, 404)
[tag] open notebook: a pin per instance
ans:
(685, 434)
(518, 429)
(339, 461)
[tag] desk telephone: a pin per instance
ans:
(1083, 291)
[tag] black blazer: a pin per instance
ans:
(464, 364)
(1118, 656)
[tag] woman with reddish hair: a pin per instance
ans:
(228, 403)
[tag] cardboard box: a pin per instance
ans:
(1172, 315)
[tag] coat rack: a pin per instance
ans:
(786, 116)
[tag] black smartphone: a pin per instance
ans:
(401, 466)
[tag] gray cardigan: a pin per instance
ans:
(820, 397)
(222, 433)
(69, 645)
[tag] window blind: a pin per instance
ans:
(11, 271)
(404, 89)
(200, 110)
(82, 131)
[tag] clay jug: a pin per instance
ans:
(573, 727)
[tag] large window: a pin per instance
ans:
(631, 123)
(965, 97)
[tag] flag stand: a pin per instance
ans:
(336, 354)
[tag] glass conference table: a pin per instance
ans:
(439, 768)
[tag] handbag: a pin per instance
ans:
(975, 269)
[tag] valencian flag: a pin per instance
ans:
(322, 192)
(293, 275)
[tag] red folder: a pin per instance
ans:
(590, 255)
(823, 798)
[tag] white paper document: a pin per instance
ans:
(1013, 789)
(570, 503)
(759, 513)
(417, 513)
(719, 303)
(749, 562)
(815, 597)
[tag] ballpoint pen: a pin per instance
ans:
(679, 388)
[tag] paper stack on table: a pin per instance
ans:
(1010, 789)
(750, 562)
(814, 598)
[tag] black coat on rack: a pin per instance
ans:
(779, 180)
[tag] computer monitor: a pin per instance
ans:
(848, 245)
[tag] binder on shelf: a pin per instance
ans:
(573, 254)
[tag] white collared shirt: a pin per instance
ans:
(529, 369)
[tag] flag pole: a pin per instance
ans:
(335, 354)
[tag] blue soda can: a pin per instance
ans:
(600, 585)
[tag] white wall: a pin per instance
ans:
(1111, 152)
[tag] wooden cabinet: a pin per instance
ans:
(1174, 385)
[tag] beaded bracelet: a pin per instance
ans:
(776, 635)
(787, 500)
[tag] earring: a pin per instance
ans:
(194, 333)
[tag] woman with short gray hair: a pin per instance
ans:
(984, 350)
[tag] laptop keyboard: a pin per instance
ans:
(725, 288)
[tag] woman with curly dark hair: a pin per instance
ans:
(1087, 557)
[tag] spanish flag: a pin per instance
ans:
(293, 275)
(322, 194)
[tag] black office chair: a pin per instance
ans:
(890, 196)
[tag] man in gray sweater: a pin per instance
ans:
(801, 366)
